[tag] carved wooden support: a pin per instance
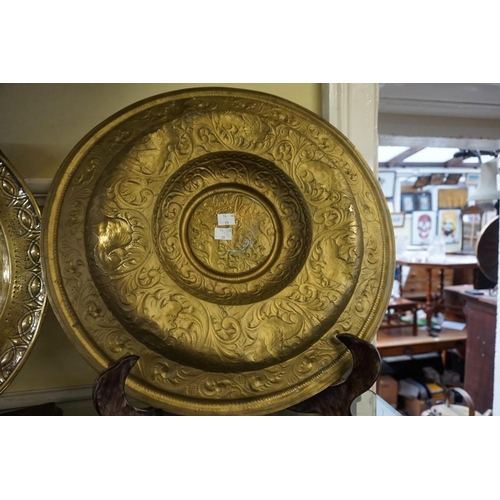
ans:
(108, 392)
(110, 399)
(336, 400)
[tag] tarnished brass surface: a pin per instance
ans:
(110, 400)
(22, 290)
(239, 326)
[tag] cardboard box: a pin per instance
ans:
(436, 393)
(414, 407)
(387, 389)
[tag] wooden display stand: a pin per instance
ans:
(110, 399)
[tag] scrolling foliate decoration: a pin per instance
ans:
(22, 289)
(243, 325)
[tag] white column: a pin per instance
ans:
(353, 109)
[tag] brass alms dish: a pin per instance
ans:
(243, 323)
(22, 289)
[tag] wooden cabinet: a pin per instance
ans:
(480, 312)
(415, 286)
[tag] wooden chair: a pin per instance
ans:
(397, 307)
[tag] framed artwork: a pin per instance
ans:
(437, 179)
(398, 220)
(408, 202)
(422, 181)
(450, 226)
(452, 178)
(471, 229)
(387, 181)
(452, 198)
(424, 201)
(473, 179)
(423, 227)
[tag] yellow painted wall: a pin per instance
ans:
(40, 124)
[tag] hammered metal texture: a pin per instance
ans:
(22, 289)
(245, 325)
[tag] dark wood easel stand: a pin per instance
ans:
(110, 399)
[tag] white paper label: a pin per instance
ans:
(225, 220)
(223, 233)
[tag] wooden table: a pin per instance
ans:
(394, 343)
(434, 304)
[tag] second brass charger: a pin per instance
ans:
(240, 325)
(23, 296)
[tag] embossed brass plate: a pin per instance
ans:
(22, 291)
(237, 317)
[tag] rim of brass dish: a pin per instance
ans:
(234, 326)
(22, 288)
(487, 250)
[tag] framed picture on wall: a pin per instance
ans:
(437, 179)
(424, 201)
(452, 198)
(472, 179)
(408, 202)
(422, 181)
(471, 228)
(452, 179)
(387, 181)
(450, 226)
(398, 220)
(423, 227)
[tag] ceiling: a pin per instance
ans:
(424, 124)
(464, 100)
(431, 157)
